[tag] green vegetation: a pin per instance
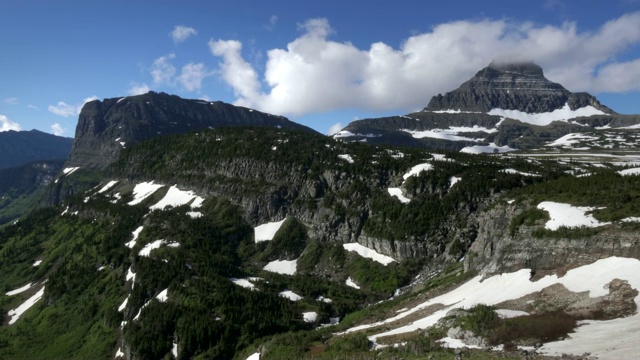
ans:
(528, 217)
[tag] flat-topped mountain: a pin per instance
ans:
(504, 107)
(105, 127)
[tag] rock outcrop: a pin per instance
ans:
(21, 147)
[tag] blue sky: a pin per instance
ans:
(320, 63)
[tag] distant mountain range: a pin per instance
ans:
(504, 107)
(21, 147)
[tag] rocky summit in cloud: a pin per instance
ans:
(506, 106)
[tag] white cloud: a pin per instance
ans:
(181, 33)
(31, 106)
(162, 71)
(192, 76)
(335, 128)
(273, 20)
(57, 130)
(11, 101)
(8, 124)
(138, 89)
(316, 74)
(63, 109)
(238, 73)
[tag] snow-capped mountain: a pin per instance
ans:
(504, 107)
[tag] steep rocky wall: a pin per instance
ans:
(495, 250)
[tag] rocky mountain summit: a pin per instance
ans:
(106, 127)
(504, 107)
(512, 86)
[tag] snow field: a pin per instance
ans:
(444, 134)
(571, 139)
(286, 267)
(17, 312)
(266, 232)
(542, 119)
(496, 289)
(568, 215)
(368, 253)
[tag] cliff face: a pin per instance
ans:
(497, 250)
(106, 127)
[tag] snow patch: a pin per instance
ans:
(142, 191)
(37, 263)
(290, 295)
(568, 215)
(245, 283)
(17, 312)
(135, 234)
(119, 353)
(350, 282)
(346, 157)
(310, 316)
(285, 267)
(397, 192)
(513, 171)
(368, 253)
(70, 170)
(453, 180)
(146, 250)
(571, 139)
(416, 170)
(508, 314)
(174, 197)
(632, 171)
(543, 119)
(491, 148)
(266, 232)
(123, 305)
(19, 290)
(444, 134)
(254, 356)
(163, 296)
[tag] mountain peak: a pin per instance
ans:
(511, 86)
(520, 67)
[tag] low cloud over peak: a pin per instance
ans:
(316, 74)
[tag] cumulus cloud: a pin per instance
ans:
(138, 89)
(11, 101)
(65, 110)
(8, 124)
(316, 74)
(57, 130)
(162, 71)
(192, 75)
(335, 128)
(181, 33)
